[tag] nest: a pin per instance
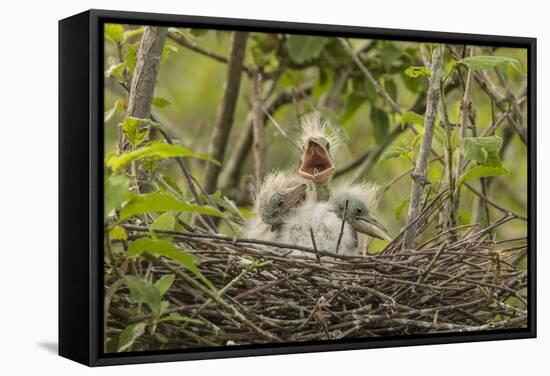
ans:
(460, 280)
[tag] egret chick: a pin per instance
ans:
(318, 219)
(317, 163)
(276, 200)
(354, 203)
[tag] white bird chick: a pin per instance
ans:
(316, 142)
(354, 203)
(319, 218)
(276, 200)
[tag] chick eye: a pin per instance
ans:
(280, 203)
(327, 146)
(359, 211)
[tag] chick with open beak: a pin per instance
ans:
(354, 204)
(317, 164)
(277, 198)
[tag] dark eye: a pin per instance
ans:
(327, 146)
(280, 203)
(359, 211)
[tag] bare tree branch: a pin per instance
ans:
(419, 174)
(226, 111)
(258, 130)
(465, 109)
(180, 39)
(146, 72)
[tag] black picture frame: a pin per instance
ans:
(81, 185)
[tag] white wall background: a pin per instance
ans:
(28, 185)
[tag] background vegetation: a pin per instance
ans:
(371, 92)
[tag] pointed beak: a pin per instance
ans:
(293, 197)
(317, 164)
(370, 226)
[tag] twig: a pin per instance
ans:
(315, 245)
(419, 175)
(342, 226)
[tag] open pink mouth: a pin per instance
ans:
(317, 165)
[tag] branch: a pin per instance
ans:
(258, 130)
(419, 174)
(465, 109)
(226, 110)
(180, 39)
(519, 125)
(487, 86)
(146, 72)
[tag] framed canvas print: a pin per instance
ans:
(238, 187)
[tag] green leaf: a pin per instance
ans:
(410, 117)
(167, 50)
(171, 183)
(115, 70)
(159, 151)
(390, 154)
(129, 335)
(161, 102)
(116, 191)
(417, 72)
(483, 150)
(164, 248)
(480, 172)
(391, 88)
(388, 55)
(177, 317)
(489, 62)
(142, 291)
(129, 34)
(118, 106)
(118, 233)
(353, 102)
(164, 283)
(164, 221)
(162, 202)
(134, 132)
(381, 124)
(302, 47)
(399, 209)
(113, 32)
(130, 56)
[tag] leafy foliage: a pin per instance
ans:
(381, 124)
(162, 202)
(485, 151)
(489, 62)
(302, 48)
(153, 150)
(115, 192)
(415, 72)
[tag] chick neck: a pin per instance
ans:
(323, 191)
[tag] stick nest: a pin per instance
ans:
(458, 281)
